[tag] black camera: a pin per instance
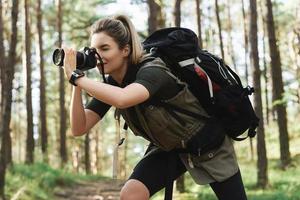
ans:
(86, 59)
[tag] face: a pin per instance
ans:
(114, 58)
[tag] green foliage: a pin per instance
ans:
(38, 181)
(283, 185)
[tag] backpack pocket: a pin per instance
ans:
(235, 111)
(211, 136)
(172, 127)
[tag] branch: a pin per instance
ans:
(18, 194)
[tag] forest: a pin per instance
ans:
(41, 159)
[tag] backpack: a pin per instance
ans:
(217, 87)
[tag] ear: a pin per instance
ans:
(126, 50)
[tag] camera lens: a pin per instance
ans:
(58, 57)
(85, 58)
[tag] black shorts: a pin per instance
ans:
(155, 170)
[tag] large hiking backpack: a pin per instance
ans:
(217, 87)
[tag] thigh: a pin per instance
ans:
(230, 189)
(154, 170)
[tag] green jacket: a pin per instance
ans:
(158, 124)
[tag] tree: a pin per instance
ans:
(87, 160)
(62, 130)
(246, 62)
(156, 18)
(8, 147)
(262, 176)
(29, 139)
(2, 56)
(245, 40)
(297, 50)
(177, 13)
(265, 70)
(43, 118)
(219, 28)
(198, 11)
(8, 74)
(278, 90)
(230, 45)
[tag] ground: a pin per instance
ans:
(97, 190)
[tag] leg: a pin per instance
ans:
(230, 189)
(134, 190)
(149, 176)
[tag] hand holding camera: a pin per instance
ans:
(85, 59)
(76, 61)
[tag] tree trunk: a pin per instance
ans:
(278, 90)
(2, 57)
(198, 11)
(220, 29)
(230, 44)
(63, 118)
(87, 160)
(177, 13)
(43, 118)
(2, 66)
(8, 151)
(297, 51)
(98, 149)
(246, 65)
(245, 41)
(265, 68)
(8, 72)
(93, 153)
(262, 176)
(156, 18)
(29, 139)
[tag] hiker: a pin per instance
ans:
(134, 85)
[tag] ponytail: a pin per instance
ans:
(121, 29)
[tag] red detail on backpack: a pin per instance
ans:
(203, 76)
(232, 109)
(200, 73)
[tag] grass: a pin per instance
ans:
(38, 181)
(283, 185)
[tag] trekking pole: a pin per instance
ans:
(116, 158)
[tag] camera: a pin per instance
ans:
(86, 59)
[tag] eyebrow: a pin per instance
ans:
(102, 46)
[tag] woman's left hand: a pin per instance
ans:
(69, 62)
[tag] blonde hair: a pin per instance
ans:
(121, 29)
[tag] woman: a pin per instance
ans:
(133, 90)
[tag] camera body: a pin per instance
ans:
(86, 59)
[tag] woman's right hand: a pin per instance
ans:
(69, 61)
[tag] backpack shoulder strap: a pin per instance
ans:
(153, 61)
